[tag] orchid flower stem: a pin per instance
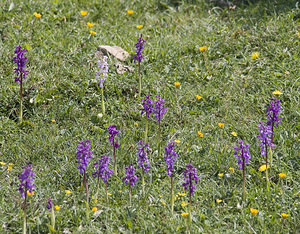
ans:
(190, 209)
(103, 105)
(140, 80)
(21, 99)
(146, 129)
(158, 139)
(143, 182)
(172, 196)
(24, 213)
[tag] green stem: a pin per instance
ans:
(106, 193)
(146, 129)
(143, 182)
(52, 218)
(190, 208)
(158, 139)
(21, 99)
(205, 62)
(86, 187)
(96, 197)
(129, 194)
(140, 80)
(172, 196)
(115, 160)
(24, 212)
(267, 177)
(244, 184)
(103, 106)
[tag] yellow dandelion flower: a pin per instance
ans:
(200, 134)
(182, 194)
(94, 209)
(219, 201)
(37, 15)
(30, 193)
(255, 55)
(68, 192)
(184, 214)
(220, 174)
(90, 24)
(120, 191)
(284, 215)
(130, 12)
(10, 166)
(221, 125)
(177, 84)
(57, 207)
(263, 167)
(277, 92)
(2, 163)
(198, 97)
(83, 13)
(253, 211)
(92, 32)
(163, 202)
(177, 141)
(183, 204)
(139, 26)
(282, 175)
(109, 194)
(53, 121)
(231, 170)
(234, 134)
(203, 48)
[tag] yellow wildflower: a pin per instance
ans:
(163, 202)
(255, 55)
(220, 174)
(284, 215)
(231, 170)
(83, 13)
(234, 134)
(219, 201)
(282, 175)
(130, 12)
(30, 193)
(177, 84)
(198, 97)
(120, 191)
(2, 163)
(184, 214)
(183, 204)
(177, 141)
(92, 33)
(253, 211)
(221, 125)
(109, 194)
(136, 124)
(203, 48)
(68, 192)
(277, 92)
(200, 134)
(57, 207)
(94, 209)
(139, 26)
(53, 121)
(90, 24)
(10, 166)
(182, 194)
(37, 15)
(263, 167)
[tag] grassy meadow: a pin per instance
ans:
(253, 49)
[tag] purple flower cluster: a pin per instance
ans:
(130, 177)
(159, 110)
(265, 132)
(171, 157)
(20, 60)
(102, 170)
(103, 69)
(113, 132)
(273, 111)
(83, 155)
(244, 155)
(148, 106)
(50, 203)
(26, 180)
(143, 161)
(139, 49)
(190, 174)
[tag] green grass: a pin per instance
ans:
(237, 91)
